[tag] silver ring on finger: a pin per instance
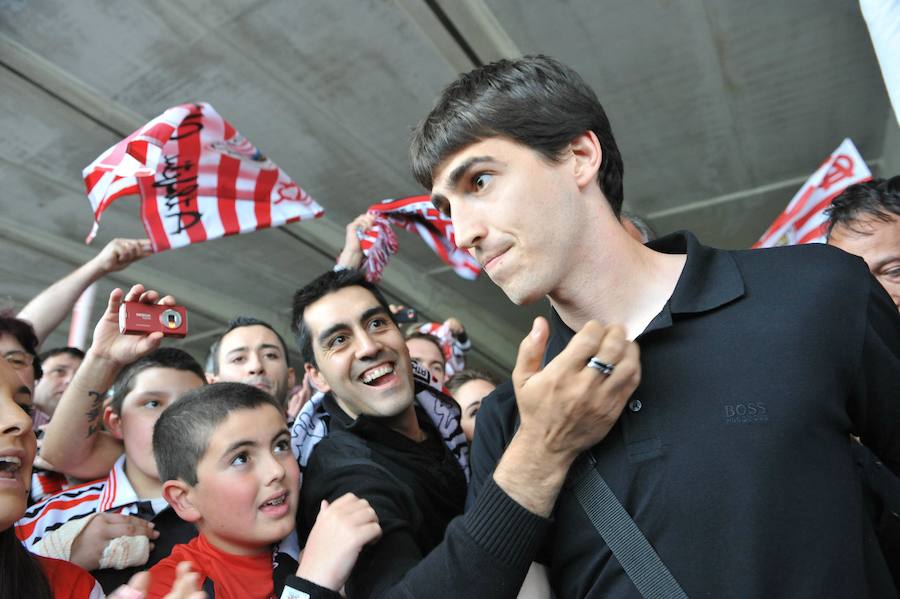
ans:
(603, 367)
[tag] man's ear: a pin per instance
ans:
(316, 377)
(113, 422)
(588, 156)
(292, 378)
(178, 494)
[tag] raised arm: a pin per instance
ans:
(73, 441)
(51, 306)
(351, 255)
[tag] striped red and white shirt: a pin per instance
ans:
(112, 494)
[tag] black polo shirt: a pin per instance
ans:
(733, 455)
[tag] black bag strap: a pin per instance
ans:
(621, 534)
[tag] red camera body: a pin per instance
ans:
(136, 318)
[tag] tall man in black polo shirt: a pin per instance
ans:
(733, 455)
(384, 448)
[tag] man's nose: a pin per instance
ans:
(468, 228)
(367, 346)
(254, 364)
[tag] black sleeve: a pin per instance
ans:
(384, 563)
(495, 426)
(485, 553)
(875, 396)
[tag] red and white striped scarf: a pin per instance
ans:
(415, 214)
(198, 179)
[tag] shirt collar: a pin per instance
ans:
(117, 492)
(710, 279)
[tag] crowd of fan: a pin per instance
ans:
(138, 458)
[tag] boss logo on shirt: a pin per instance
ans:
(746, 413)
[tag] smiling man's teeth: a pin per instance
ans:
(375, 373)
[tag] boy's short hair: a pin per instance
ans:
(164, 357)
(878, 199)
(329, 282)
(181, 435)
(470, 374)
(534, 100)
(212, 359)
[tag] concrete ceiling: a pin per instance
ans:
(721, 109)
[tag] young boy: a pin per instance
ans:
(112, 546)
(224, 455)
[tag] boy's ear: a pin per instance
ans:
(178, 494)
(316, 377)
(113, 422)
(588, 156)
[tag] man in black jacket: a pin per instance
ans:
(733, 456)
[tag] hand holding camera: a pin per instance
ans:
(135, 323)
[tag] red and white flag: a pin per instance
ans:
(804, 221)
(198, 179)
(415, 214)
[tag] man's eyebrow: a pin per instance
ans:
(268, 346)
(236, 349)
(453, 179)
(374, 310)
(884, 261)
(457, 174)
(331, 331)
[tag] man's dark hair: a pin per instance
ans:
(25, 335)
(427, 337)
(181, 435)
(470, 374)
(164, 357)
(877, 198)
(324, 284)
(534, 100)
(212, 360)
(56, 351)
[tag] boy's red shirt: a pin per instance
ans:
(234, 576)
